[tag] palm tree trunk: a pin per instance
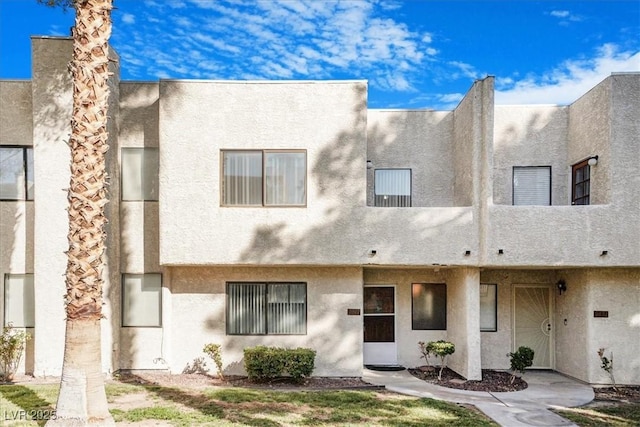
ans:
(82, 399)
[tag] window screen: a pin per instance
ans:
(392, 187)
(532, 185)
(142, 299)
(19, 300)
(140, 169)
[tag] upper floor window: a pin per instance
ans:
(532, 185)
(580, 183)
(140, 168)
(264, 178)
(16, 173)
(392, 187)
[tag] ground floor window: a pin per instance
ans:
(429, 306)
(266, 308)
(488, 307)
(142, 300)
(19, 300)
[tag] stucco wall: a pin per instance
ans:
(16, 113)
(463, 321)
(138, 126)
(590, 135)
(416, 140)
(198, 317)
(465, 136)
(616, 291)
(572, 324)
(52, 103)
(530, 136)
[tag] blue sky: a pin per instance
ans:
(414, 54)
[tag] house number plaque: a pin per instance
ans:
(600, 314)
(353, 312)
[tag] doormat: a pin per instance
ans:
(385, 368)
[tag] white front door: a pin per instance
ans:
(532, 322)
(379, 316)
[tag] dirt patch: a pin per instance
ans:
(200, 381)
(610, 396)
(492, 381)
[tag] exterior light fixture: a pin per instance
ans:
(604, 253)
(593, 160)
(369, 164)
(562, 286)
(500, 251)
(467, 253)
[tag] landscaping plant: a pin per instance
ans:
(440, 348)
(607, 365)
(520, 360)
(268, 363)
(12, 343)
(214, 352)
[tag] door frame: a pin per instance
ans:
(551, 311)
(388, 349)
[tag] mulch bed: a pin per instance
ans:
(203, 380)
(493, 381)
(620, 394)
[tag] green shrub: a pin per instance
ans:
(300, 362)
(521, 360)
(12, 343)
(442, 349)
(214, 352)
(267, 363)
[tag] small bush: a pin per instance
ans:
(520, 360)
(441, 349)
(267, 363)
(12, 343)
(214, 352)
(606, 363)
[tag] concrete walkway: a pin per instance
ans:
(528, 407)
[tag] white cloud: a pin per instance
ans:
(128, 18)
(280, 39)
(570, 80)
(565, 16)
(559, 13)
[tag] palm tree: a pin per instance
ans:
(82, 399)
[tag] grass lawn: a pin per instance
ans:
(251, 407)
(622, 415)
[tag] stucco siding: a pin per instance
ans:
(16, 113)
(530, 136)
(198, 298)
(415, 140)
(52, 104)
(616, 291)
(590, 135)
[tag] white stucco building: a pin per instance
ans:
(288, 213)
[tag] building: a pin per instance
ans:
(288, 213)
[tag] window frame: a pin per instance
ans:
(413, 312)
(495, 308)
(513, 186)
(375, 202)
(123, 299)
(6, 321)
(265, 308)
(262, 152)
(122, 180)
(584, 164)
(28, 195)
